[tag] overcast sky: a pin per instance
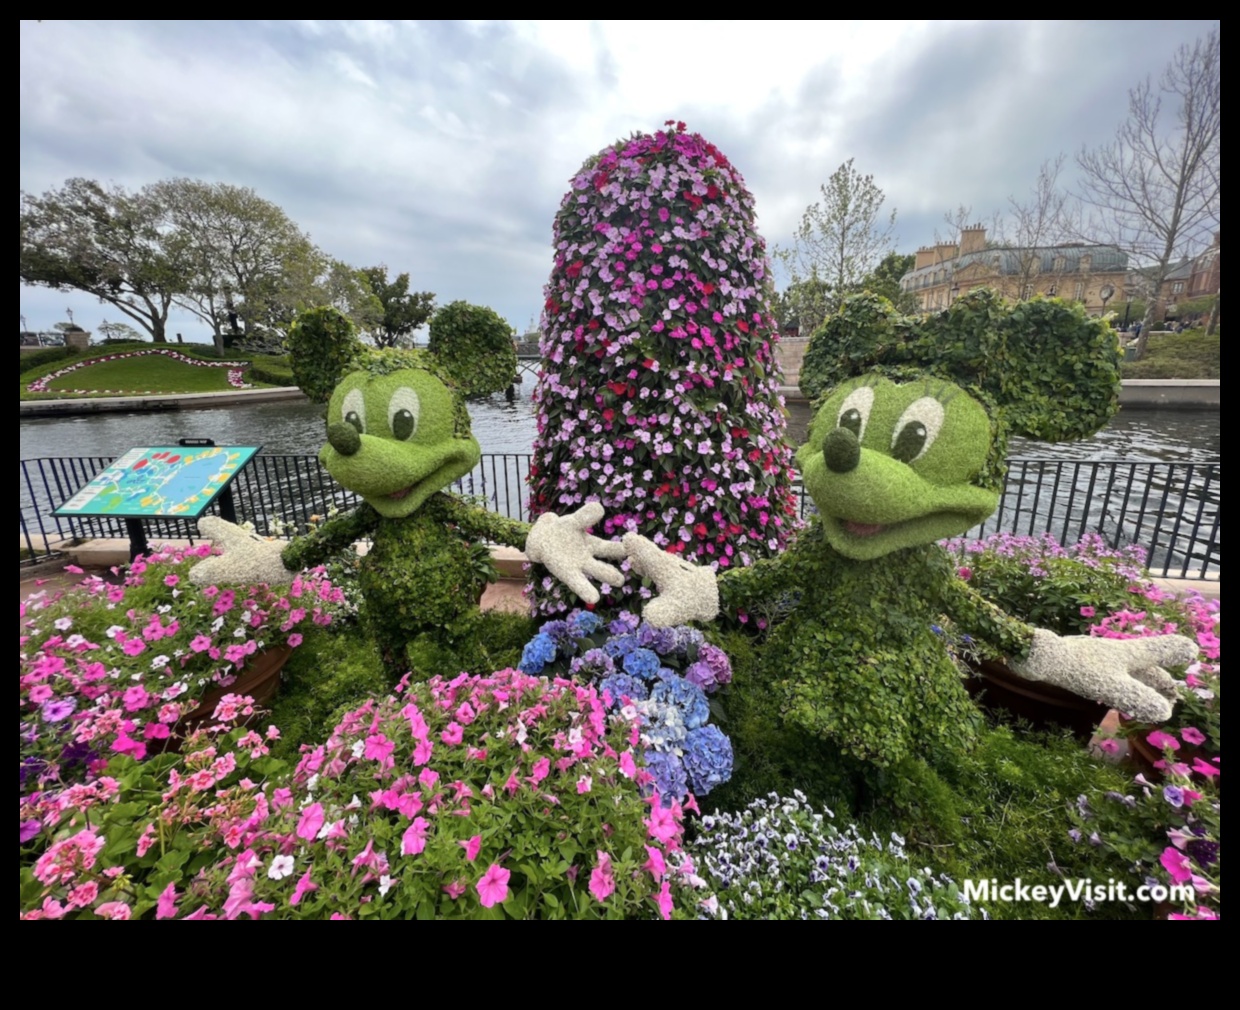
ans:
(443, 148)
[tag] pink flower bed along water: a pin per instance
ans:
(236, 370)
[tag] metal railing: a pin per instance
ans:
(1172, 509)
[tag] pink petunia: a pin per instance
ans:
(166, 906)
(663, 898)
(304, 886)
(311, 822)
(602, 880)
(1162, 740)
(628, 766)
(413, 841)
(493, 887)
(1193, 735)
(1178, 866)
(1204, 768)
(472, 846)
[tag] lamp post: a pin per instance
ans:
(1106, 293)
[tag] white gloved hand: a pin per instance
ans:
(572, 555)
(1126, 674)
(687, 592)
(247, 558)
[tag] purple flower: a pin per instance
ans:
(58, 708)
(1174, 795)
(28, 830)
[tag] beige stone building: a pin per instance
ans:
(1094, 275)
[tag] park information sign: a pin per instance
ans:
(161, 482)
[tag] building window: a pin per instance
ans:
(1080, 291)
(1177, 287)
(1027, 291)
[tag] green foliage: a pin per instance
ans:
(334, 669)
(275, 369)
(106, 242)
(1052, 371)
(402, 310)
(857, 662)
(31, 361)
(1188, 355)
(884, 280)
(1000, 811)
(322, 345)
(474, 345)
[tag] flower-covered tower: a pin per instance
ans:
(659, 389)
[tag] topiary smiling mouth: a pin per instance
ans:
(404, 492)
(862, 529)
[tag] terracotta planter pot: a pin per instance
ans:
(259, 678)
(997, 688)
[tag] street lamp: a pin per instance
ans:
(1106, 293)
(954, 293)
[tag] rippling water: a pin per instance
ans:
(509, 427)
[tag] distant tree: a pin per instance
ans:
(250, 267)
(1155, 188)
(1035, 221)
(839, 240)
(884, 280)
(107, 242)
(117, 331)
(348, 290)
(403, 311)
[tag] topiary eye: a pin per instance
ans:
(855, 411)
(403, 411)
(917, 429)
(353, 410)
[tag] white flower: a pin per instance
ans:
(113, 631)
(281, 867)
(385, 884)
(63, 623)
(358, 748)
(159, 661)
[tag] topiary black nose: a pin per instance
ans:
(344, 438)
(841, 450)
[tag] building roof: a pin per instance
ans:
(1012, 260)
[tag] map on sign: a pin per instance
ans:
(178, 481)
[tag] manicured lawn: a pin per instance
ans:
(149, 373)
(1187, 355)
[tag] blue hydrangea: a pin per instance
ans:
(620, 645)
(538, 652)
(663, 728)
(621, 685)
(583, 622)
(669, 776)
(707, 759)
(694, 708)
(686, 637)
(642, 663)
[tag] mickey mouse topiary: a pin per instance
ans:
(906, 448)
(398, 433)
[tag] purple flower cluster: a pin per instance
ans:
(659, 389)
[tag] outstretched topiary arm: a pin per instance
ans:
(752, 589)
(330, 538)
(977, 616)
(479, 524)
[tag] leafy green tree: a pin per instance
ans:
(119, 246)
(840, 239)
(402, 310)
(118, 331)
(250, 267)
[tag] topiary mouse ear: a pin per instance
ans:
(473, 345)
(323, 346)
(852, 342)
(1057, 377)
(1050, 370)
